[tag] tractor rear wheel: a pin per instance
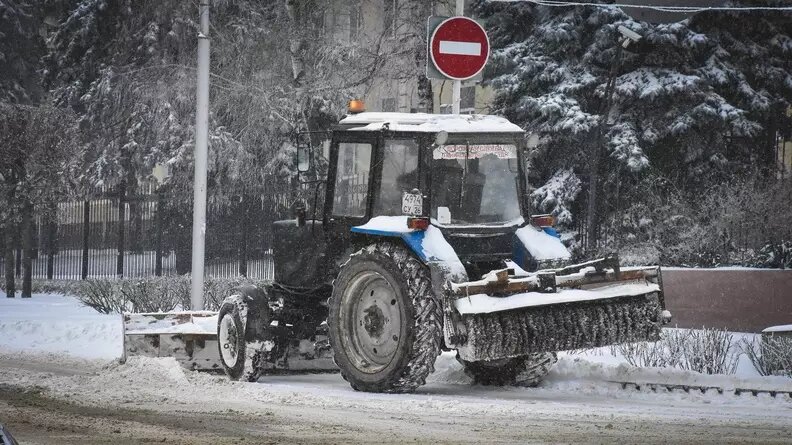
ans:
(528, 370)
(385, 322)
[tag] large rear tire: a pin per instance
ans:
(528, 370)
(385, 323)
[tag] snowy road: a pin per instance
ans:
(154, 400)
(49, 395)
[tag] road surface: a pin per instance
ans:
(59, 400)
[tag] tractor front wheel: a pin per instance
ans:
(385, 323)
(528, 370)
(241, 326)
(231, 340)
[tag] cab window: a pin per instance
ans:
(399, 175)
(352, 179)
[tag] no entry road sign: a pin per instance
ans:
(459, 48)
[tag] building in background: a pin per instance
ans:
(397, 28)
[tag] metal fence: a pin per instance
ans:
(115, 235)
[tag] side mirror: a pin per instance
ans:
(303, 158)
(441, 138)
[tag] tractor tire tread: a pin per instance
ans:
(426, 346)
(527, 371)
(251, 369)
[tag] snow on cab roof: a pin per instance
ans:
(431, 123)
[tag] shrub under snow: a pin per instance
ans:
(708, 351)
(153, 294)
(772, 355)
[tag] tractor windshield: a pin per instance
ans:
(475, 184)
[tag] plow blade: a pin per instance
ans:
(583, 306)
(189, 337)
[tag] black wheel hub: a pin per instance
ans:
(374, 321)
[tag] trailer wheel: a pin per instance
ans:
(528, 370)
(385, 323)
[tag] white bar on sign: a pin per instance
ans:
(460, 48)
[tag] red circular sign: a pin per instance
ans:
(459, 48)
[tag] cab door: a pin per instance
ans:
(350, 181)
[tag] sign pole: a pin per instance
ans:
(201, 155)
(456, 93)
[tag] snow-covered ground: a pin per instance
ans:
(58, 324)
(51, 341)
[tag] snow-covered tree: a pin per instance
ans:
(278, 69)
(557, 195)
(106, 63)
(694, 102)
(36, 159)
(32, 163)
(21, 47)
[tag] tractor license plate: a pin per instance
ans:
(412, 204)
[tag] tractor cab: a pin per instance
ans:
(462, 174)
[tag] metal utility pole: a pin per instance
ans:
(592, 219)
(456, 93)
(201, 155)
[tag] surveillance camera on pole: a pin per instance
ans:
(629, 36)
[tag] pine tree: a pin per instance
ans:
(36, 159)
(20, 48)
(695, 102)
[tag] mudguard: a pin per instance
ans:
(536, 249)
(430, 246)
(533, 248)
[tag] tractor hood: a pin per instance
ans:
(529, 247)
(476, 243)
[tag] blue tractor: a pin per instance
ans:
(426, 244)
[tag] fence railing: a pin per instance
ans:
(118, 235)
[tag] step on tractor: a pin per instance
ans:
(426, 243)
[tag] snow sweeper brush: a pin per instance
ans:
(587, 305)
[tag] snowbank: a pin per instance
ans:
(48, 324)
(58, 324)
(597, 369)
(577, 370)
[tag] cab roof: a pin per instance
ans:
(429, 123)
